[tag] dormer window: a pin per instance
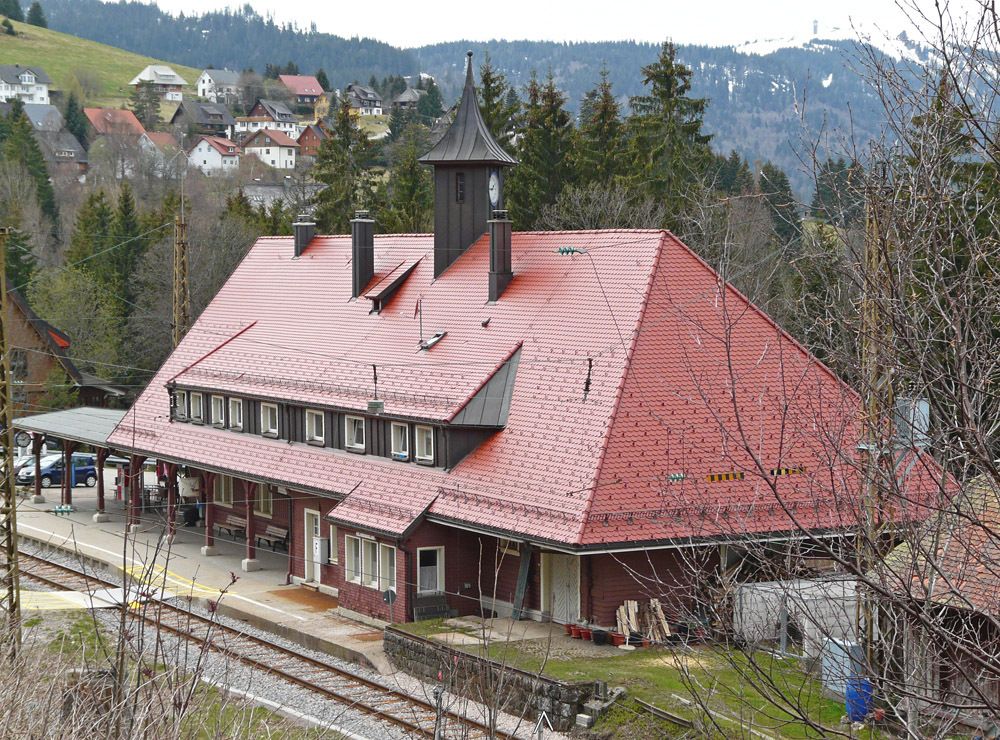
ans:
(197, 412)
(236, 414)
(400, 441)
(425, 444)
(218, 411)
(315, 426)
(181, 409)
(354, 433)
(269, 419)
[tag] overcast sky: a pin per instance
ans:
(715, 22)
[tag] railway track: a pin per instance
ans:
(395, 708)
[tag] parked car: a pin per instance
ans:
(84, 471)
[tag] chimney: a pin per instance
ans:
(500, 272)
(362, 252)
(305, 230)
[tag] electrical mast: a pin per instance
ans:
(182, 295)
(8, 508)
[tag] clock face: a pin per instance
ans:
(494, 189)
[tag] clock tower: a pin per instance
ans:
(469, 168)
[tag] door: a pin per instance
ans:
(430, 569)
(561, 587)
(310, 556)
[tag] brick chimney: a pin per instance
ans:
(362, 252)
(305, 230)
(500, 270)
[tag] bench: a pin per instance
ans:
(275, 535)
(233, 524)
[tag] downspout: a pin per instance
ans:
(407, 581)
(291, 539)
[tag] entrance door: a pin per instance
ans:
(430, 569)
(312, 533)
(561, 590)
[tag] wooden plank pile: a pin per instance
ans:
(644, 619)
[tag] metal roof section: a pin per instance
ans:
(91, 426)
(468, 139)
(490, 405)
(383, 291)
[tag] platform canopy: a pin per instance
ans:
(90, 426)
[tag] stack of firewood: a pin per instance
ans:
(644, 619)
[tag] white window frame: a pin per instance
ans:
(369, 570)
(219, 419)
(200, 415)
(440, 569)
(181, 411)
(312, 416)
(352, 559)
(266, 430)
(423, 455)
(222, 490)
(350, 440)
(386, 580)
(400, 452)
(509, 547)
(236, 419)
(263, 500)
(334, 550)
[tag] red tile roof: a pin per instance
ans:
(301, 84)
(221, 144)
(625, 382)
(162, 140)
(278, 138)
(107, 120)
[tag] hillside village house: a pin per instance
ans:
(213, 119)
(310, 139)
(64, 155)
(109, 121)
(408, 99)
(273, 147)
(166, 83)
(304, 89)
(322, 107)
(219, 86)
(537, 424)
(214, 154)
(28, 84)
(271, 114)
(365, 101)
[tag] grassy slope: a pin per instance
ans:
(59, 54)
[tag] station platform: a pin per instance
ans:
(265, 598)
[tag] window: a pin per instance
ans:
(224, 490)
(354, 432)
(352, 554)
(19, 363)
(181, 410)
(369, 563)
(196, 411)
(425, 444)
(509, 547)
(459, 187)
(387, 568)
(269, 419)
(218, 411)
(314, 426)
(236, 414)
(401, 441)
(263, 503)
(430, 569)
(334, 555)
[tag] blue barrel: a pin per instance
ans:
(859, 698)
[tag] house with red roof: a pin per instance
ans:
(537, 424)
(106, 121)
(273, 147)
(304, 88)
(310, 140)
(214, 155)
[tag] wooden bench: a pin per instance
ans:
(275, 535)
(232, 524)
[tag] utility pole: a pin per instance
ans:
(182, 295)
(8, 508)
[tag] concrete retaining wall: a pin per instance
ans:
(473, 677)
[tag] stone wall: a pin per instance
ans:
(471, 677)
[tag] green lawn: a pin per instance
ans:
(59, 54)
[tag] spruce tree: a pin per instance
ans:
(290, 68)
(12, 9)
(20, 258)
(8, 27)
(408, 194)
(129, 246)
(601, 140)
(322, 79)
(430, 106)
(670, 152)
(92, 235)
(543, 150)
(76, 119)
(499, 111)
(342, 165)
(777, 194)
(732, 174)
(399, 119)
(36, 17)
(22, 147)
(144, 102)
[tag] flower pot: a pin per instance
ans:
(645, 642)
(586, 633)
(601, 637)
(617, 639)
(569, 629)
(575, 631)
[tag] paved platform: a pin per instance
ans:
(265, 598)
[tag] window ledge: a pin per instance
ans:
(218, 425)
(269, 435)
(199, 422)
(427, 463)
(316, 442)
(355, 450)
(236, 429)
(400, 458)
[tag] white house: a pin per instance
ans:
(273, 147)
(268, 114)
(30, 84)
(214, 155)
(167, 83)
(219, 85)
